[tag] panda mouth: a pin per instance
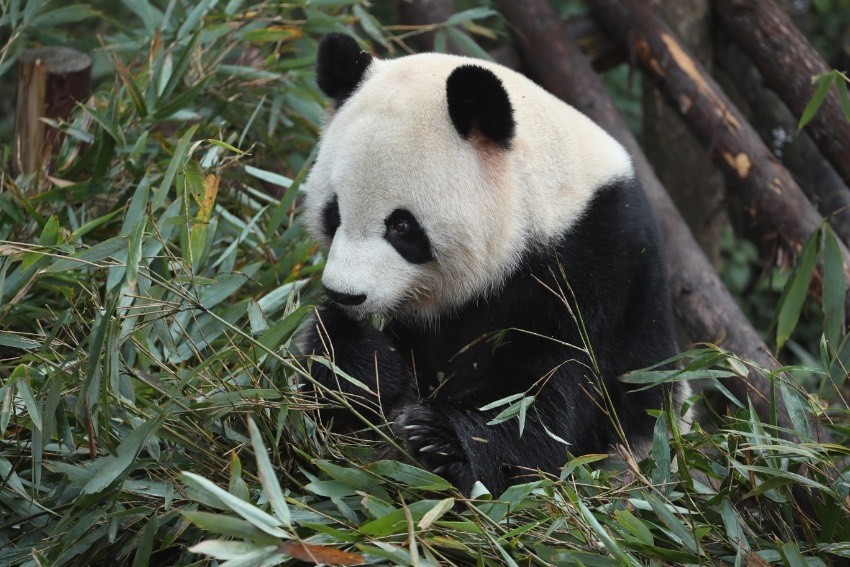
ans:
(407, 307)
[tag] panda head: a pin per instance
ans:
(421, 186)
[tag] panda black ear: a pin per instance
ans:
(478, 102)
(340, 66)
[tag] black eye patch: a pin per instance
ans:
(330, 218)
(407, 237)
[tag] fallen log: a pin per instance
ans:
(703, 306)
(773, 196)
(776, 126)
(788, 62)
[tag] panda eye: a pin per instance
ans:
(408, 238)
(400, 226)
(331, 218)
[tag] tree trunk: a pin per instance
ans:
(773, 195)
(788, 62)
(51, 80)
(702, 304)
(682, 163)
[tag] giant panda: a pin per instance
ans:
(504, 241)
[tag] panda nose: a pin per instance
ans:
(345, 298)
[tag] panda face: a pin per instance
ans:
(407, 230)
(436, 174)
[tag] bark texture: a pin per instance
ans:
(777, 127)
(771, 193)
(788, 62)
(680, 160)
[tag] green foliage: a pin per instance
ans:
(825, 82)
(149, 291)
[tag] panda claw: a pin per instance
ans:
(428, 449)
(439, 470)
(411, 427)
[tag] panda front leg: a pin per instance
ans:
(365, 354)
(458, 444)
(428, 436)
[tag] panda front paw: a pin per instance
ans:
(427, 438)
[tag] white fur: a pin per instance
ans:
(392, 145)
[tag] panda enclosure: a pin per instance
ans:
(724, 84)
(561, 55)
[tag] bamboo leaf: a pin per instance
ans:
(228, 526)
(797, 410)
(414, 477)
(471, 14)
(232, 549)
(634, 526)
(469, 46)
(151, 17)
(823, 82)
(177, 159)
(843, 97)
(268, 176)
(795, 293)
(319, 554)
(111, 468)
(63, 15)
(833, 287)
(268, 477)
(682, 532)
(25, 392)
(146, 543)
(436, 513)
(249, 512)
(89, 256)
(604, 537)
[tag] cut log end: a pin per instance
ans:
(57, 60)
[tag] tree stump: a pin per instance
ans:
(51, 81)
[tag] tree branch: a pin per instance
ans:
(788, 62)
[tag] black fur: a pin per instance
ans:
(432, 381)
(477, 101)
(367, 355)
(340, 65)
(330, 218)
(411, 243)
